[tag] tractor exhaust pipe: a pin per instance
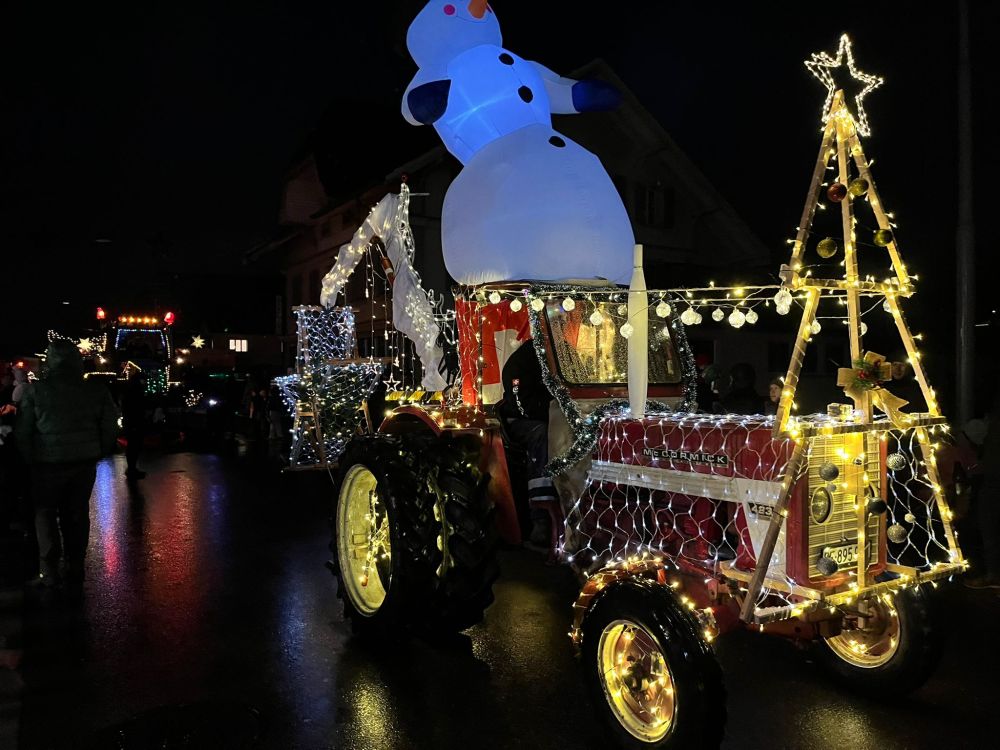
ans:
(638, 342)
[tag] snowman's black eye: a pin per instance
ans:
(506, 59)
(557, 142)
(525, 93)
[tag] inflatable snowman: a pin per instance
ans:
(529, 203)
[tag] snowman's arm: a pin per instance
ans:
(425, 100)
(567, 96)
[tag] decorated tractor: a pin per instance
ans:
(682, 526)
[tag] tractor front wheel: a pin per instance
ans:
(891, 650)
(649, 671)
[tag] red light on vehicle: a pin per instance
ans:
(101, 315)
(20, 365)
(169, 318)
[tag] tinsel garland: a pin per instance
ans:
(586, 427)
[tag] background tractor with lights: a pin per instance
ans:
(682, 526)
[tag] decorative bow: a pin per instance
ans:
(866, 376)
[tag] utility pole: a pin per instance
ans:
(965, 299)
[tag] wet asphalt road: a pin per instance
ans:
(208, 585)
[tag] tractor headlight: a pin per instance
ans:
(821, 505)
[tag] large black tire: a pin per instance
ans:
(917, 655)
(441, 531)
(700, 697)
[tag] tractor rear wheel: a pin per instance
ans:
(413, 537)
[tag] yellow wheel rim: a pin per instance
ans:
(874, 644)
(637, 680)
(363, 545)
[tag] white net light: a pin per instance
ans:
(699, 492)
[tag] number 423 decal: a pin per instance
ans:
(760, 510)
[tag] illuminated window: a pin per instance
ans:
(237, 345)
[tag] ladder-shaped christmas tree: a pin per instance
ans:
(841, 143)
(840, 147)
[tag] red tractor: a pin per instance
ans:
(683, 526)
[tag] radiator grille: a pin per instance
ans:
(841, 527)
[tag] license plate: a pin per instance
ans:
(843, 554)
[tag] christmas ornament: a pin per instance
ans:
(737, 319)
(827, 248)
(876, 506)
(896, 533)
(883, 237)
(752, 317)
(516, 305)
(827, 565)
(717, 314)
(626, 330)
(837, 192)
(895, 462)
(864, 328)
(690, 318)
(662, 309)
(596, 318)
(910, 518)
(537, 304)
(887, 307)
(829, 471)
(494, 298)
(815, 328)
(831, 487)
(623, 309)
(858, 187)
(569, 304)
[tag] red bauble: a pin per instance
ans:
(837, 192)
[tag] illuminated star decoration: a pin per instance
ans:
(85, 345)
(821, 65)
(197, 342)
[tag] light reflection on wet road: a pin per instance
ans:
(207, 584)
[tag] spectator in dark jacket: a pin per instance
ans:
(134, 423)
(64, 425)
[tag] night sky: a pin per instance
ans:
(147, 139)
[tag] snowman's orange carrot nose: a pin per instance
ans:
(478, 8)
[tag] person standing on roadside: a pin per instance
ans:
(65, 424)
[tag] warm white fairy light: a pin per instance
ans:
(821, 65)
(197, 342)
